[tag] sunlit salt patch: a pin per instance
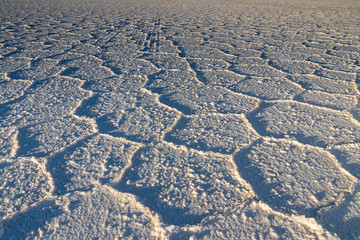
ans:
(8, 142)
(291, 53)
(105, 103)
(124, 82)
(148, 123)
(308, 124)
(10, 90)
(85, 68)
(322, 44)
(317, 83)
(253, 220)
(220, 78)
(88, 73)
(168, 81)
(131, 66)
(46, 138)
(91, 162)
(207, 64)
(219, 45)
(249, 61)
(167, 46)
(267, 88)
(295, 67)
(336, 101)
(86, 49)
(55, 47)
(167, 61)
(344, 54)
(49, 99)
(334, 63)
(32, 45)
(102, 213)
(217, 40)
(24, 182)
(109, 102)
(38, 70)
(348, 48)
(279, 42)
(218, 133)
(42, 53)
(120, 52)
(11, 64)
(208, 99)
(293, 178)
(185, 38)
(355, 112)
(67, 57)
(344, 217)
(80, 61)
(6, 50)
(184, 186)
(337, 75)
(262, 70)
(66, 39)
(240, 52)
(349, 157)
(205, 52)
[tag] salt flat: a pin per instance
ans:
(183, 119)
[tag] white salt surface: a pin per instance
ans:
(181, 119)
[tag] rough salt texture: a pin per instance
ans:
(308, 124)
(102, 213)
(179, 119)
(344, 217)
(93, 161)
(293, 178)
(7, 142)
(139, 124)
(218, 133)
(45, 100)
(24, 182)
(267, 88)
(46, 138)
(12, 89)
(184, 186)
(349, 157)
(255, 220)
